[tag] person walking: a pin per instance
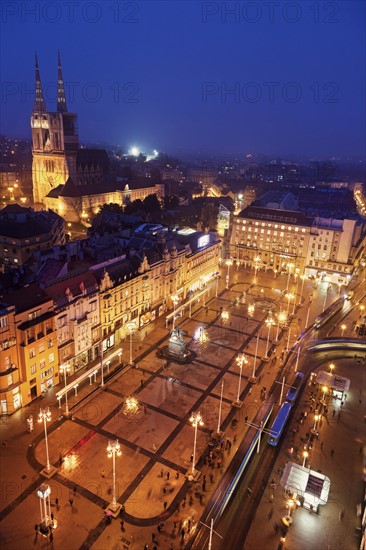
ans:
(168, 476)
(56, 502)
(75, 490)
(161, 472)
(165, 505)
(122, 525)
(71, 500)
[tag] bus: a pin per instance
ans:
(295, 387)
(329, 313)
(279, 424)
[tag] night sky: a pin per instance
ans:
(285, 79)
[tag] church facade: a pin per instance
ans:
(73, 181)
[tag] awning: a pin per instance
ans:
(312, 486)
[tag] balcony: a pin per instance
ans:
(40, 335)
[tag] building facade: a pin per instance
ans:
(24, 232)
(283, 240)
(10, 376)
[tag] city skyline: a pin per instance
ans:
(240, 82)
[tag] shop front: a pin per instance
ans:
(309, 488)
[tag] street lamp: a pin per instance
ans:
(331, 367)
(131, 326)
(256, 259)
(196, 420)
(297, 284)
(114, 449)
(269, 323)
(43, 492)
(281, 320)
(325, 391)
(305, 454)
(65, 369)
(289, 266)
(289, 297)
(303, 277)
(290, 505)
(241, 359)
(316, 418)
(228, 263)
(343, 328)
(45, 416)
(175, 300)
(362, 309)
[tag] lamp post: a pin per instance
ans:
(297, 284)
(228, 263)
(101, 362)
(131, 326)
(43, 492)
(307, 317)
(303, 277)
(45, 416)
(289, 266)
(325, 299)
(269, 323)
(241, 359)
(290, 505)
(331, 368)
(220, 407)
(343, 328)
(196, 420)
(114, 449)
(289, 297)
(175, 300)
(281, 319)
(325, 391)
(316, 418)
(305, 454)
(65, 369)
(256, 259)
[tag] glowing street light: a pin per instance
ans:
(325, 391)
(225, 315)
(65, 369)
(175, 300)
(305, 454)
(289, 267)
(241, 359)
(343, 328)
(316, 418)
(290, 505)
(269, 323)
(303, 277)
(131, 326)
(256, 260)
(281, 320)
(331, 367)
(228, 263)
(289, 297)
(44, 416)
(196, 420)
(113, 449)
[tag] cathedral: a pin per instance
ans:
(73, 181)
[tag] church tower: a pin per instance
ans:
(55, 140)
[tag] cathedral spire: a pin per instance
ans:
(61, 98)
(39, 102)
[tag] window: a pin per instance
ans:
(33, 368)
(42, 363)
(34, 314)
(3, 322)
(41, 348)
(51, 357)
(32, 353)
(49, 343)
(10, 379)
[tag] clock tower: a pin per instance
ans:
(55, 140)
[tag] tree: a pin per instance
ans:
(151, 204)
(134, 207)
(111, 207)
(171, 201)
